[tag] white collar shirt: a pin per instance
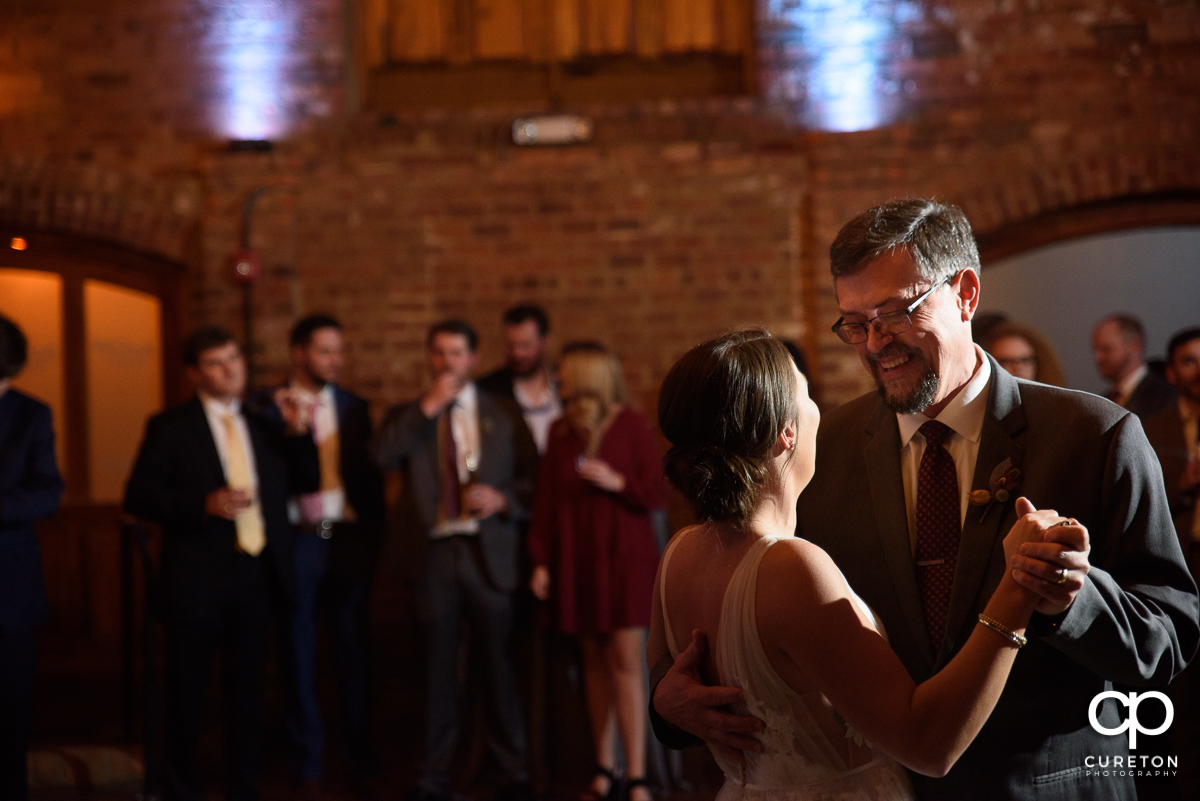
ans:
(216, 412)
(1125, 387)
(464, 427)
(324, 425)
(964, 415)
(539, 412)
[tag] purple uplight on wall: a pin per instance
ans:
(253, 43)
(825, 60)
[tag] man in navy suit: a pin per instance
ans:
(335, 547)
(30, 490)
(217, 479)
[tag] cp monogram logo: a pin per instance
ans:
(1131, 700)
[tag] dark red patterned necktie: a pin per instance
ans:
(939, 528)
(450, 485)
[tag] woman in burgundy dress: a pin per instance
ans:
(594, 552)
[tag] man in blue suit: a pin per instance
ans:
(337, 532)
(30, 490)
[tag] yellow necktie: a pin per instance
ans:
(329, 447)
(250, 536)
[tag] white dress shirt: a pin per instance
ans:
(1126, 386)
(539, 412)
(464, 427)
(964, 416)
(216, 412)
(324, 425)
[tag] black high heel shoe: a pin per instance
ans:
(591, 795)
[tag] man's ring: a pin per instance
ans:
(1065, 523)
(1062, 579)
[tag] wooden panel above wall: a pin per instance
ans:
(498, 28)
(458, 53)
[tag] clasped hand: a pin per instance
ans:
(1049, 555)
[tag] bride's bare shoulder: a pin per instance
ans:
(796, 570)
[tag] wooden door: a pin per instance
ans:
(102, 324)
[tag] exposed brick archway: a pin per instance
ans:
(159, 218)
(1053, 202)
(1116, 214)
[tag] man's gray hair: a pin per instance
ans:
(937, 235)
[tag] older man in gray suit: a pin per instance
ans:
(948, 422)
(470, 465)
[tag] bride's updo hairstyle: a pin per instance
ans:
(722, 406)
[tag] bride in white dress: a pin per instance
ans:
(841, 713)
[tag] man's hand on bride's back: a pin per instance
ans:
(684, 701)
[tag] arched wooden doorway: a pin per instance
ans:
(103, 325)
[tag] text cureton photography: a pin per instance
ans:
(1137, 765)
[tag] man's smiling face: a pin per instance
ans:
(925, 365)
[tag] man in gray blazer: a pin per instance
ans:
(470, 467)
(1117, 603)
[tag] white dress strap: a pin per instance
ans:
(672, 647)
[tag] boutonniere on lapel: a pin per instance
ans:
(1002, 487)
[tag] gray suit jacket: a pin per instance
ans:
(507, 462)
(1134, 622)
(1165, 432)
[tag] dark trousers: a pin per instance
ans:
(455, 590)
(240, 635)
(18, 660)
(345, 600)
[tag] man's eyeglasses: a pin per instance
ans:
(886, 324)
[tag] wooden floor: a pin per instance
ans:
(79, 748)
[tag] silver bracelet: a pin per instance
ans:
(1003, 630)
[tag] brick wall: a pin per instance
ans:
(679, 220)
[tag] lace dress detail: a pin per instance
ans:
(801, 760)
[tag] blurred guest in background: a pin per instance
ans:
(1119, 348)
(1025, 353)
(336, 545)
(983, 323)
(470, 467)
(593, 550)
(1175, 434)
(30, 490)
(217, 478)
(525, 377)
